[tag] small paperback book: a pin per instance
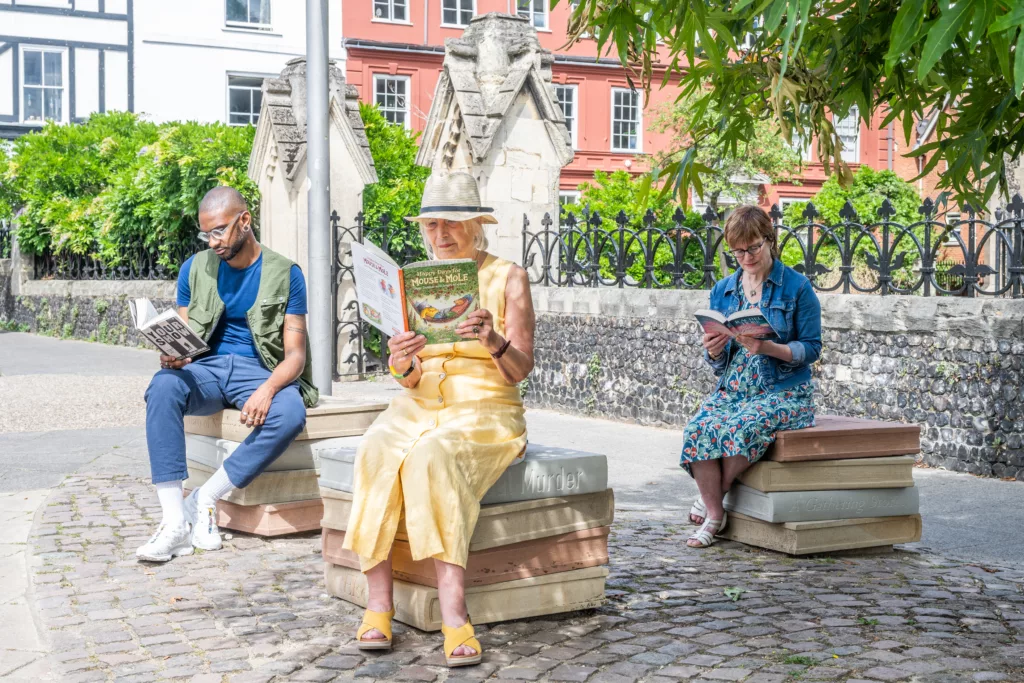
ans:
(428, 297)
(751, 323)
(167, 331)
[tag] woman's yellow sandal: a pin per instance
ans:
(375, 620)
(454, 637)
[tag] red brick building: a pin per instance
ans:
(395, 49)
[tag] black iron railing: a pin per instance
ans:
(137, 264)
(360, 343)
(964, 256)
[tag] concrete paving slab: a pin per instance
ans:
(29, 354)
(23, 647)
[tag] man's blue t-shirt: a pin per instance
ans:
(238, 289)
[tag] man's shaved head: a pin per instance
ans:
(223, 216)
(223, 200)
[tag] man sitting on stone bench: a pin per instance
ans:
(249, 304)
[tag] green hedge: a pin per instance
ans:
(116, 182)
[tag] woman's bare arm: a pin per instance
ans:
(520, 324)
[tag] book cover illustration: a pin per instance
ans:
(429, 297)
(750, 322)
(167, 331)
(439, 296)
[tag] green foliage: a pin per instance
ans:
(869, 189)
(55, 175)
(117, 183)
(734, 593)
(618, 192)
(765, 154)
(155, 203)
(7, 194)
(867, 192)
(399, 185)
(395, 195)
(809, 61)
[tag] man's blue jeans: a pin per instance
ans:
(204, 387)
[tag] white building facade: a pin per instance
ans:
(205, 60)
(199, 60)
(63, 60)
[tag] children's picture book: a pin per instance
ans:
(751, 323)
(427, 297)
(167, 331)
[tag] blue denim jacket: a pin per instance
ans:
(793, 309)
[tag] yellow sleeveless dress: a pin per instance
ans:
(437, 449)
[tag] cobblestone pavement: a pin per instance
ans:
(257, 611)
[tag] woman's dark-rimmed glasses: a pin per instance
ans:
(749, 251)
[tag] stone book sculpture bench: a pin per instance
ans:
(846, 483)
(540, 545)
(285, 498)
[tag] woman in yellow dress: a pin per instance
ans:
(444, 441)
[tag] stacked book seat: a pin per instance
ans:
(844, 484)
(540, 545)
(285, 498)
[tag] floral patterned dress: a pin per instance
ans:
(741, 418)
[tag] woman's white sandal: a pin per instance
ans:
(697, 510)
(705, 535)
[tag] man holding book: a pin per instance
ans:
(248, 304)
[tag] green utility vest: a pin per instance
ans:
(265, 318)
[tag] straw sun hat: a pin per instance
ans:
(453, 197)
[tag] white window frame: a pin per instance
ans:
(458, 11)
(952, 217)
(850, 156)
(786, 201)
(639, 123)
(228, 88)
(574, 130)
(408, 93)
(573, 195)
(573, 4)
(750, 37)
(802, 146)
(390, 19)
(532, 14)
(65, 84)
(251, 26)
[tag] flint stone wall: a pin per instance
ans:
(90, 310)
(952, 365)
(6, 300)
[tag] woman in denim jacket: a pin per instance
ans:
(764, 386)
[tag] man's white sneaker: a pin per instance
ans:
(166, 543)
(205, 534)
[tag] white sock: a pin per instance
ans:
(215, 488)
(171, 502)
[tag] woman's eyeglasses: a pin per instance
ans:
(749, 251)
(217, 234)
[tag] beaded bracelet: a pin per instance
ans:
(397, 375)
(501, 352)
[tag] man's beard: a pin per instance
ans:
(232, 252)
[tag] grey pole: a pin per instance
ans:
(318, 163)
